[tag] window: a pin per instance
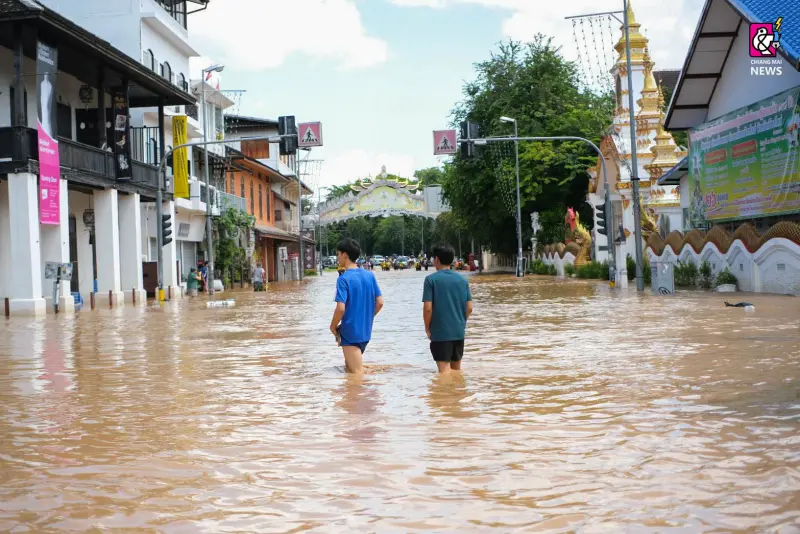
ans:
(150, 60)
(166, 71)
(242, 186)
(268, 195)
(252, 200)
(183, 84)
(233, 184)
(278, 215)
(260, 202)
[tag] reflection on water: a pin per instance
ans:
(578, 409)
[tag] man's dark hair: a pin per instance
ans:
(350, 247)
(446, 253)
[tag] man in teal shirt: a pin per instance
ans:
(447, 304)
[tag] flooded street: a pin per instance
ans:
(578, 410)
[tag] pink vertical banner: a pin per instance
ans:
(49, 163)
(49, 179)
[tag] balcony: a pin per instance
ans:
(80, 163)
(226, 200)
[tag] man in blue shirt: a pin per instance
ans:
(358, 301)
(447, 304)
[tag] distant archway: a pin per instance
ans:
(383, 196)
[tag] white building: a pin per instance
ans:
(156, 33)
(719, 81)
(99, 226)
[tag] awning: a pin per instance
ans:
(721, 22)
(281, 235)
(674, 175)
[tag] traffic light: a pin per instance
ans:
(469, 131)
(166, 229)
(602, 219)
(288, 126)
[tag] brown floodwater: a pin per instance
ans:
(578, 409)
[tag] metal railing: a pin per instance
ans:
(144, 144)
(226, 200)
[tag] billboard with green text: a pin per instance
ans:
(746, 164)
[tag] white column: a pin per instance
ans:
(106, 230)
(621, 277)
(26, 273)
(79, 203)
(5, 243)
(130, 249)
(55, 247)
(171, 287)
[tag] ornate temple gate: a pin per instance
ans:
(383, 196)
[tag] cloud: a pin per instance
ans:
(348, 166)
(262, 34)
(668, 25)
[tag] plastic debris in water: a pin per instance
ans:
(230, 303)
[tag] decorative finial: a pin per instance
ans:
(384, 174)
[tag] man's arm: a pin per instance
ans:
(427, 316)
(469, 301)
(338, 313)
(378, 304)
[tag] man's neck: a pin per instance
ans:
(443, 268)
(350, 265)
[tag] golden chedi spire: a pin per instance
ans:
(638, 41)
(649, 104)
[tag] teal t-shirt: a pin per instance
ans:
(449, 293)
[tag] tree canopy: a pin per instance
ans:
(534, 84)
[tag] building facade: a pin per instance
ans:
(740, 183)
(100, 184)
(273, 180)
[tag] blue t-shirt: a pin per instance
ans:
(357, 289)
(449, 293)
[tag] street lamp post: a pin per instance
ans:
(520, 272)
(209, 238)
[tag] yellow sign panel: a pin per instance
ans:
(180, 158)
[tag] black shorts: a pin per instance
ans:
(447, 351)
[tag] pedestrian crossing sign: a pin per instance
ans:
(444, 142)
(309, 134)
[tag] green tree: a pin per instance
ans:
(228, 253)
(533, 83)
(429, 176)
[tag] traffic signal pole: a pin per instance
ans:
(486, 140)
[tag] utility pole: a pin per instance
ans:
(637, 215)
(301, 267)
(209, 236)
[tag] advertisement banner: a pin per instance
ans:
(180, 158)
(746, 164)
(49, 162)
(122, 145)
